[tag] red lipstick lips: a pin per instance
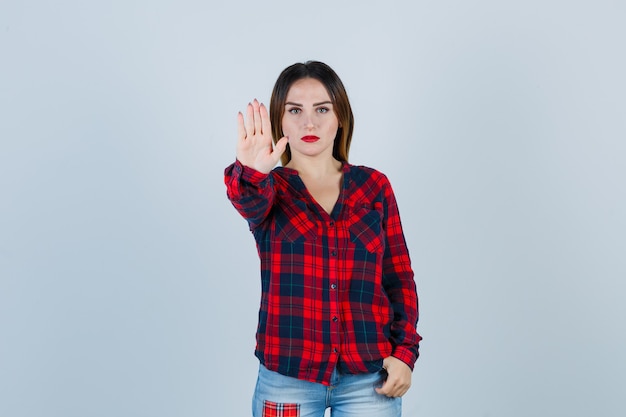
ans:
(310, 139)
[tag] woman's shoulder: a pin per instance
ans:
(364, 172)
(283, 172)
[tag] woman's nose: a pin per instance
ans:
(308, 122)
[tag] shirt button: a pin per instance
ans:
(335, 350)
(333, 286)
(333, 253)
(331, 224)
(335, 319)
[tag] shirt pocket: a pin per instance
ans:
(366, 228)
(294, 223)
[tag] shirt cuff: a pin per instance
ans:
(249, 175)
(406, 355)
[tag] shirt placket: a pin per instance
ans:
(333, 283)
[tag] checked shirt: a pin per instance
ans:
(336, 290)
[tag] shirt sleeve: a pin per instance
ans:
(399, 283)
(251, 192)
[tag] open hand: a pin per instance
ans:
(254, 144)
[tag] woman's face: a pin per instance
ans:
(309, 119)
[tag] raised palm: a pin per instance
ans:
(254, 144)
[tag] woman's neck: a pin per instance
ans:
(315, 168)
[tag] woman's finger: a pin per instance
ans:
(279, 148)
(266, 125)
(249, 121)
(257, 118)
(241, 128)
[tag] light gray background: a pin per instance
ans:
(129, 285)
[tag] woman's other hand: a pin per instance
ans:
(398, 378)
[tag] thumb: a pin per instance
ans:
(280, 146)
(381, 390)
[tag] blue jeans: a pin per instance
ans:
(347, 396)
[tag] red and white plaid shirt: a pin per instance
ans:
(338, 289)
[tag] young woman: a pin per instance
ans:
(338, 314)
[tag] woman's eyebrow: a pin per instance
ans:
(290, 103)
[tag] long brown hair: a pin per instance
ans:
(337, 92)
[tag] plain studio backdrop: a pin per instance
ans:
(129, 286)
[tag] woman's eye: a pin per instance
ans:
(294, 111)
(322, 110)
